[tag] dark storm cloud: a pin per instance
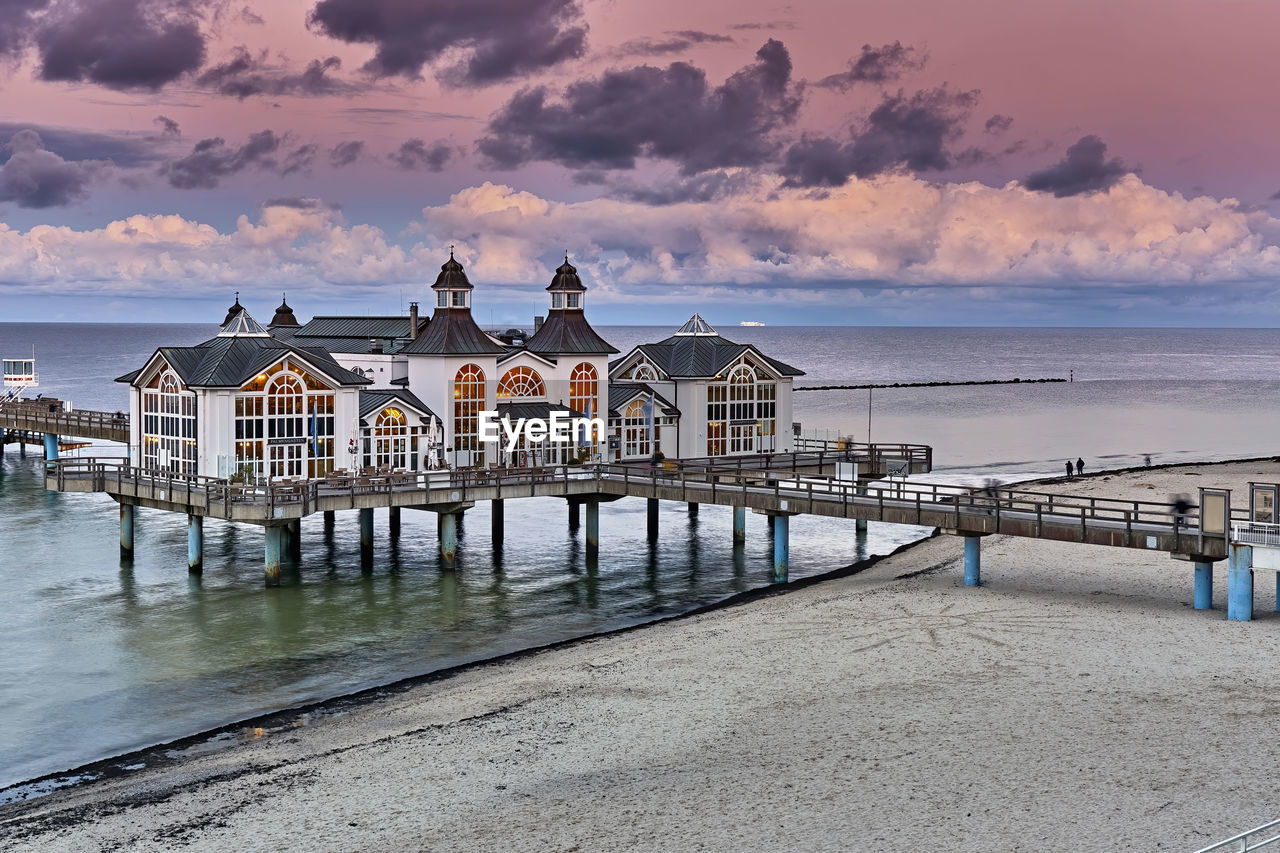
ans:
(901, 132)
(665, 113)
(302, 203)
(345, 153)
(1084, 169)
(212, 159)
(120, 44)
(33, 176)
(706, 187)
(168, 126)
(997, 124)
(498, 39)
(675, 42)
(123, 149)
(17, 21)
(245, 75)
(415, 154)
(876, 65)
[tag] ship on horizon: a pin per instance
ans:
(751, 323)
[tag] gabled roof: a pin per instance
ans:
(231, 361)
(702, 355)
(568, 332)
(515, 351)
(374, 400)
(452, 331)
(622, 393)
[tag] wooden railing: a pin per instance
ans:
(908, 502)
(42, 416)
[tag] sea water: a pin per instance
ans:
(99, 657)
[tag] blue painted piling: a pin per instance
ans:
(593, 526)
(126, 530)
(860, 525)
(1240, 583)
(781, 548)
(1204, 585)
(739, 525)
(448, 538)
(973, 561)
(50, 446)
(272, 548)
(195, 544)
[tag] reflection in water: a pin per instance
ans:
(99, 657)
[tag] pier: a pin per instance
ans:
(48, 416)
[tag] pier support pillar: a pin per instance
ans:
(575, 517)
(1240, 583)
(328, 524)
(653, 519)
(448, 538)
(497, 520)
(739, 526)
(593, 527)
(50, 446)
(1204, 585)
(295, 540)
(693, 509)
(127, 512)
(781, 548)
(366, 536)
(272, 549)
(860, 525)
(973, 561)
(195, 544)
(394, 522)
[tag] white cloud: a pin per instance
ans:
(766, 241)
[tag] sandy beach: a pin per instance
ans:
(1076, 701)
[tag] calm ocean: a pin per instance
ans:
(97, 658)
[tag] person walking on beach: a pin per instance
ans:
(1069, 470)
(1079, 467)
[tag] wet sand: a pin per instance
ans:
(1076, 701)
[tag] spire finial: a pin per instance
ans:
(237, 297)
(450, 251)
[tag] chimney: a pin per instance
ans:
(537, 322)
(375, 345)
(413, 320)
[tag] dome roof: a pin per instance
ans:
(452, 275)
(566, 279)
(233, 310)
(284, 315)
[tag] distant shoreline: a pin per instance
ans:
(926, 384)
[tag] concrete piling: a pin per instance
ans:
(593, 527)
(973, 561)
(693, 509)
(195, 544)
(1203, 585)
(739, 526)
(393, 522)
(653, 519)
(366, 537)
(448, 538)
(575, 517)
(328, 522)
(272, 549)
(860, 525)
(295, 541)
(781, 548)
(497, 522)
(1240, 582)
(126, 530)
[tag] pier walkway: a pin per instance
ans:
(49, 417)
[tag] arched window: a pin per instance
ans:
(169, 426)
(468, 400)
(635, 430)
(741, 412)
(584, 390)
(521, 382)
(391, 438)
(284, 424)
(644, 372)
